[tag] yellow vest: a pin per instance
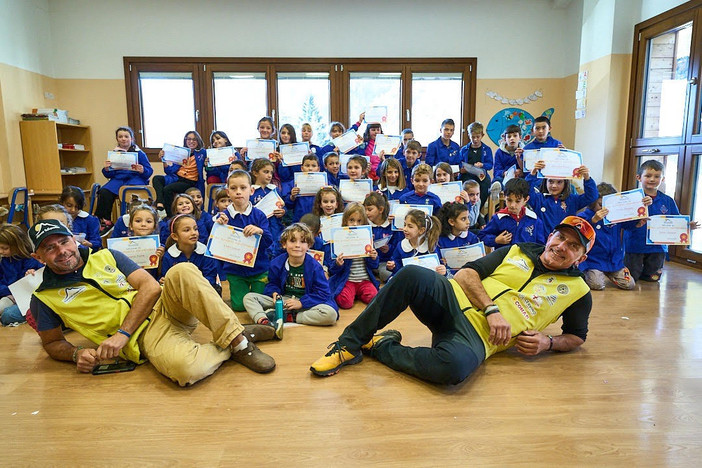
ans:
(525, 304)
(96, 306)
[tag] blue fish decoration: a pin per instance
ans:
(513, 116)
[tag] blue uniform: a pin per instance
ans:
(13, 269)
(172, 170)
(607, 253)
(461, 240)
(339, 275)
(275, 223)
(119, 177)
(394, 193)
(204, 226)
(301, 205)
(90, 226)
(549, 143)
(207, 265)
(381, 231)
(504, 159)
(121, 228)
(404, 249)
(635, 239)
(316, 285)
(529, 228)
(413, 198)
(407, 171)
(334, 179)
(551, 210)
(438, 152)
(256, 217)
(464, 156)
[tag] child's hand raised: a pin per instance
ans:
(361, 117)
(279, 212)
(108, 164)
(538, 165)
(518, 153)
(294, 193)
(583, 172)
(464, 196)
(694, 225)
(385, 248)
(600, 215)
(504, 238)
(250, 230)
(221, 218)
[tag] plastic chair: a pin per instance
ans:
(126, 191)
(93, 197)
(15, 207)
(211, 191)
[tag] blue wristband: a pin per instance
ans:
(128, 335)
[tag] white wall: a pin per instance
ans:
(25, 35)
(511, 38)
(651, 8)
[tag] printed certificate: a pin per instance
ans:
(344, 160)
(328, 223)
(175, 154)
(530, 157)
(382, 242)
(294, 152)
(228, 243)
(428, 261)
(668, 230)
(387, 143)
(310, 182)
(447, 191)
(509, 174)
(355, 190)
(142, 250)
(560, 163)
(270, 203)
(317, 255)
(476, 171)
(624, 206)
(260, 149)
(455, 168)
(399, 211)
(351, 241)
(456, 257)
(122, 160)
(376, 114)
(221, 156)
(23, 288)
(347, 141)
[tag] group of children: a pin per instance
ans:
(314, 291)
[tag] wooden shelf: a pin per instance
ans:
(76, 173)
(74, 150)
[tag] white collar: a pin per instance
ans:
(125, 219)
(175, 252)
(407, 247)
(462, 235)
(384, 225)
(269, 186)
(82, 214)
(527, 213)
(391, 188)
(232, 211)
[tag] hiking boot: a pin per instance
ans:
(255, 332)
(254, 359)
(332, 362)
(387, 335)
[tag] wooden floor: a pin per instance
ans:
(632, 395)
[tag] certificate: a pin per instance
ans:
(382, 242)
(310, 182)
(355, 190)
(229, 244)
(122, 160)
(351, 241)
(260, 149)
(344, 160)
(317, 255)
(447, 191)
(668, 230)
(456, 257)
(387, 143)
(294, 152)
(399, 211)
(376, 114)
(23, 288)
(476, 171)
(428, 261)
(142, 250)
(509, 174)
(221, 156)
(347, 141)
(456, 169)
(560, 163)
(270, 203)
(624, 206)
(175, 154)
(530, 157)
(327, 223)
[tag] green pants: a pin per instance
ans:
(240, 286)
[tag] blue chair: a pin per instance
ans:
(211, 191)
(126, 192)
(15, 207)
(93, 197)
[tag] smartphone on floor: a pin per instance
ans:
(114, 368)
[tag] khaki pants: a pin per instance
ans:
(597, 279)
(188, 298)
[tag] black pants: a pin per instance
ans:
(105, 200)
(456, 349)
(166, 193)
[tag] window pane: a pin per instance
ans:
(304, 98)
(696, 235)
(670, 161)
(666, 83)
(370, 92)
(167, 106)
(240, 102)
(436, 97)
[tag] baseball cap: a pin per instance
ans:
(45, 228)
(584, 229)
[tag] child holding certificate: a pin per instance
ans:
(286, 136)
(443, 149)
(377, 209)
(300, 204)
(645, 262)
(266, 131)
(306, 137)
(413, 151)
(242, 214)
(479, 155)
(353, 278)
(15, 263)
(542, 135)
(471, 194)
(392, 181)
(421, 237)
(183, 246)
(184, 204)
(299, 279)
(454, 226)
(328, 202)
(507, 155)
(606, 258)
(553, 200)
(336, 129)
(443, 173)
(262, 171)
(367, 148)
(218, 174)
(85, 225)
(332, 166)
(421, 179)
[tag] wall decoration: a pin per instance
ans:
(536, 95)
(513, 116)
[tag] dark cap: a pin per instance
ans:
(45, 228)
(586, 233)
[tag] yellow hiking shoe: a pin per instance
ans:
(393, 335)
(332, 362)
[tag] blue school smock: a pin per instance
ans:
(485, 156)
(13, 269)
(275, 223)
(607, 253)
(503, 161)
(438, 152)
(403, 249)
(635, 239)
(339, 274)
(528, 229)
(407, 171)
(204, 226)
(301, 205)
(90, 226)
(121, 227)
(316, 285)
(207, 265)
(334, 179)
(119, 177)
(551, 210)
(413, 198)
(549, 143)
(381, 231)
(172, 170)
(256, 217)
(450, 241)
(394, 193)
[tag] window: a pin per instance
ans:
(168, 107)
(239, 102)
(378, 95)
(305, 98)
(435, 97)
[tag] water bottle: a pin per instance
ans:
(279, 318)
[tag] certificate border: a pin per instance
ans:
(352, 228)
(648, 231)
(608, 222)
(208, 253)
(115, 240)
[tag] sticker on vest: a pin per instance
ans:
(550, 279)
(527, 304)
(521, 309)
(539, 289)
(71, 293)
(538, 300)
(110, 269)
(562, 289)
(121, 281)
(519, 263)
(551, 299)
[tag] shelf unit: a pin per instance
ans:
(44, 160)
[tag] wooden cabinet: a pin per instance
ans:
(46, 166)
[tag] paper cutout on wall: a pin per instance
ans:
(518, 101)
(513, 116)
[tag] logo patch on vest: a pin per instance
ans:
(527, 304)
(664, 209)
(521, 309)
(519, 263)
(539, 289)
(551, 299)
(71, 293)
(110, 269)
(562, 289)
(121, 281)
